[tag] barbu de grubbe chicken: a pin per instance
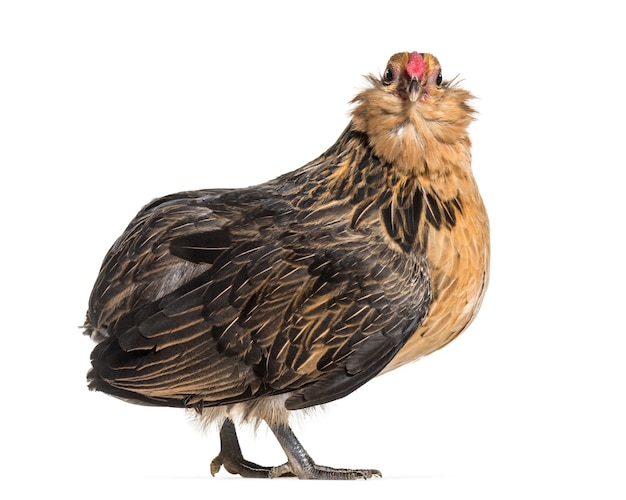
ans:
(244, 304)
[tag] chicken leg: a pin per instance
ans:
(231, 458)
(299, 463)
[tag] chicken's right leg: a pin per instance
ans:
(301, 465)
(231, 458)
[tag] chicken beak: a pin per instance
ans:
(413, 89)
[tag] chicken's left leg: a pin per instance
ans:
(231, 458)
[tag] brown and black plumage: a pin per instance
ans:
(245, 304)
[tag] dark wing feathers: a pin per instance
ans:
(239, 306)
(140, 267)
(201, 247)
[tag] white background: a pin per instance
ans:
(106, 105)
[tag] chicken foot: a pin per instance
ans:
(299, 464)
(231, 458)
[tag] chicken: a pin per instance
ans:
(245, 304)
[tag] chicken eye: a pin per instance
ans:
(388, 75)
(439, 78)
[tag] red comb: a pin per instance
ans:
(416, 67)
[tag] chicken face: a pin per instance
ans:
(412, 76)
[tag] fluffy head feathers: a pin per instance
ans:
(423, 135)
